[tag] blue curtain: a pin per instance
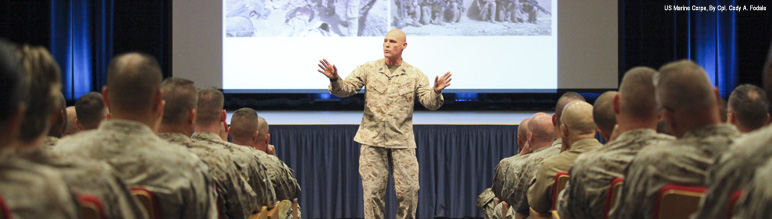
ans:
(456, 164)
(81, 41)
(714, 45)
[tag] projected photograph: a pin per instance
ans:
(472, 17)
(305, 18)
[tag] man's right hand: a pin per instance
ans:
(328, 69)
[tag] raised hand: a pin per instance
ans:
(328, 69)
(441, 83)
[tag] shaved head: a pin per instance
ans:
(243, 124)
(522, 134)
(636, 94)
(684, 85)
(262, 127)
(133, 80)
(210, 105)
(393, 44)
(397, 34)
(541, 127)
(603, 113)
(181, 97)
(577, 117)
(566, 98)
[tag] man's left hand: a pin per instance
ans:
(441, 83)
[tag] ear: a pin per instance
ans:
(529, 139)
(563, 130)
(254, 136)
(615, 104)
(730, 117)
(77, 124)
(191, 116)
(223, 117)
(767, 121)
(555, 120)
(106, 97)
(267, 138)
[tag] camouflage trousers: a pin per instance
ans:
(374, 169)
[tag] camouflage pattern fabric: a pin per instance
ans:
(31, 190)
(374, 169)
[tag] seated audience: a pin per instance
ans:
(179, 180)
(603, 114)
(690, 106)
(578, 136)
(503, 175)
(244, 131)
(209, 123)
(748, 108)
(91, 111)
(635, 109)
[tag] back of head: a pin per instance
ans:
(12, 86)
(603, 112)
(90, 110)
(522, 129)
(133, 80)
(637, 99)
(577, 118)
(541, 127)
(565, 99)
(43, 78)
(59, 120)
(210, 105)
(749, 105)
(181, 97)
(684, 85)
(243, 124)
(262, 127)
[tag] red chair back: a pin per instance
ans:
(677, 201)
(611, 194)
(733, 202)
(90, 207)
(560, 183)
(5, 213)
(148, 201)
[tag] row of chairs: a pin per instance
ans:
(673, 201)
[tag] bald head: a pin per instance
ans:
(564, 99)
(210, 106)
(244, 125)
(393, 43)
(637, 99)
(133, 82)
(603, 113)
(522, 134)
(541, 129)
(397, 34)
(577, 118)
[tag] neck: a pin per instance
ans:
(146, 119)
(262, 147)
(210, 128)
(242, 142)
(395, 61)
(625, 124)
(570, 140)
(174, 128)
(694, 119)
(37, 142)
(537, 145)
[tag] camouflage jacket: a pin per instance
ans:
(235, 196)
(252, 168)
(540, 193)
(31, 190)
(593, 172)
(518, 199)
(506, 173)
(757, 195)
(684, 162)
(734, 170)
(282, 177)
(389, 99)
(485, 203)
(90, 177)
(179, 179)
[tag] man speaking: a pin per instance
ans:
(387, 124)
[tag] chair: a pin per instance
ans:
(560, 183)
(262, 214)
(295, 209)
(273, 213)
(677, 201)
(90, 207)
(611, 195)
(733, 203)
(148, 201)
(5, 213)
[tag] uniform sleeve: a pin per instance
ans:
(200, 201)
(540, 193)
(351, 85)
(426, 95)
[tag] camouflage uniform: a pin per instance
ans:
(387, 127)
(282, 177)
(90, 177)
(684, 161)
(30, 190)
(517, 198)
(178, 178)
(234, 195)
(485, 203)
(50, 141)
(504, 174)
(540, 193)
(734, 170)
(252, 168)
(757, 196)
(593, 172)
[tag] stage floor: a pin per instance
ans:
(419, 118)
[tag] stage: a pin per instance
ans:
(419, 117)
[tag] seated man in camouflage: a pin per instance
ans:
(90, 111)
(179, 180)
(236, 199)
(210, 121)
(748, 108)
(244, 131)
(689, 104)
(485, 201)
(28, 190)
(635, 109)
(578, 136)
